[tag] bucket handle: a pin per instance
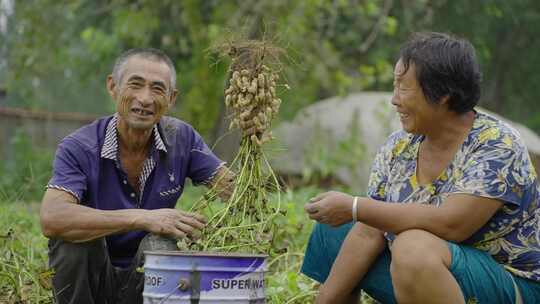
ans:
(183, 285)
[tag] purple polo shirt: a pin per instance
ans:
(87, 166)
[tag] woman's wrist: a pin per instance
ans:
(355, 209)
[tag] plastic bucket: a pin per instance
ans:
(205, 278)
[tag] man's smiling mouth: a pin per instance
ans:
(142, 112)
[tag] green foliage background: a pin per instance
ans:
(58, 53)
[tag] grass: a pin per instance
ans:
(284, 282)
(24, 277)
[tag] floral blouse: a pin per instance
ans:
(492, 162)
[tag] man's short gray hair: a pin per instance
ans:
(149, 53)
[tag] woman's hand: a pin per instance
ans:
(332, 208)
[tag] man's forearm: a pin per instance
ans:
(223, 183)
(77, 223)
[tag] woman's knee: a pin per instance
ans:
(415, 252)
(368, 233)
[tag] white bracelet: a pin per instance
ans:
(355, 209)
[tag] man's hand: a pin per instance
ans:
(223, 183)
(172, 223)
(332, 208)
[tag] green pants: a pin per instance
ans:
(480, 277)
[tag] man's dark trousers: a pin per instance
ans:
(84, 273)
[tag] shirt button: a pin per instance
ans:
(132, 194)
(125, 182)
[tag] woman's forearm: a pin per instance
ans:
(399, 217)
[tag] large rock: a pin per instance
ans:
(341, 135)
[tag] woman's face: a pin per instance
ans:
(416, 113)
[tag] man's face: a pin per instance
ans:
(415, 112)
(143, 93)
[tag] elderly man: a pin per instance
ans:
(118, 179)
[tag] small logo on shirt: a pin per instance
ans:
(170, 191)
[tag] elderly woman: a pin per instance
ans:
(452, 209)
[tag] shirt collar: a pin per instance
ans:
(110, 146)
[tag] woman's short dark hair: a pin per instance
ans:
(444, 66)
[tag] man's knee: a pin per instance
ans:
(68, 255)
(417, 252)
(82, 271)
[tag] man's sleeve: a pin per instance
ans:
(68, 171)
(203, 164)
